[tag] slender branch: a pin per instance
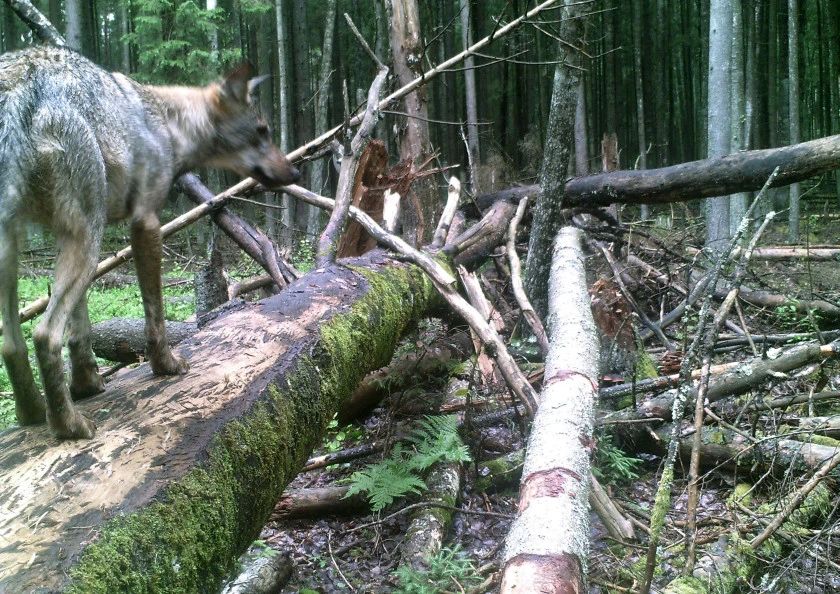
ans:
(453, 196)
(516, 281)
(35, 20)
(364, 44)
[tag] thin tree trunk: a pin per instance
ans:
(581, 135)
(470, 94)
(638, 8)
(303, 109)
(559, 133)
(319, 167)
(793, 109)
(284, 115)
(719, 110)
(738, 204)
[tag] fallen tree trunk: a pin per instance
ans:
(183, 472)
(548, 543)
(744, 171)
(123, 340)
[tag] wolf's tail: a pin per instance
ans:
(13, 148)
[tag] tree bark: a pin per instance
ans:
(719, 110)
(793, 110)
(559, 135)
(123, 340)
(195, 463)
(740, 172)
(548, 543)
(420, 206)
(470, 95)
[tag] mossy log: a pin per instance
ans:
(184, 471)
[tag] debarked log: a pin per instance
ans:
(184, 471)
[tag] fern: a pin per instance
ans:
(435, 440)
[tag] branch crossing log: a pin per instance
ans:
(184, 471)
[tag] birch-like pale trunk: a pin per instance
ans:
(283, 109)
(548, 543)
(641, 163)
(738, 141)
(719, 114)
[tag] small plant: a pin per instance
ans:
(7, 413)
(435, 440)
(337, 436)
(612, 464)
(787, 317)
(449, 570)
(260, 549)
(303, 256)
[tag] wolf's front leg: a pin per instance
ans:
(146, 243)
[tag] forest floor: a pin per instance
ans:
(361, 552)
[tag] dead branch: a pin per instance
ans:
(528, 312)
(35, 20)
(328, 242)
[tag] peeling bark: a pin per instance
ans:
(549, 541)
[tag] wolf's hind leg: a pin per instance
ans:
(146, 243)
(29, 403)
(75, 265)
(85, 379)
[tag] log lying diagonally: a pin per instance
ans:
(183, 472)
(739, 172)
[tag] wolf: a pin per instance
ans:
(81, 147)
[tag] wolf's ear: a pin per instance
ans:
(236, 85)
(255, 82)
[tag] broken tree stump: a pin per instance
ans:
(184, 471)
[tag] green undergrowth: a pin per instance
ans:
(450, 570)
(103, 304)
(434, 439)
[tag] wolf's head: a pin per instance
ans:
(242, 137)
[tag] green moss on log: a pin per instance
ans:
(190, 538)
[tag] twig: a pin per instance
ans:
(364, 44)
(516, 280)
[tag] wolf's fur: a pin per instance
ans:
(81, 147)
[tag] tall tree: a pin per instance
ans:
(793, 109)
(638, 9)
(738, 204)
(420, 208)
(319, 168)
(558, 140)
(470, 93)
(719, 113)
(283, 111)
(304, 109)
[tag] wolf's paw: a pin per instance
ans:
(169, 365)
(31, 410)
(73, 426)
(87, 387)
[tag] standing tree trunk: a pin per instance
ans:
(581, 135)
(793, 110)
(74, 26)
(319, 167)
(304, 109)
(638, 9)
(558, 139)
(420, 207)
(469, 91)
(718, 126)
(738, 141)
(284, 121)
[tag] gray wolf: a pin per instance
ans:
(79, 148)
